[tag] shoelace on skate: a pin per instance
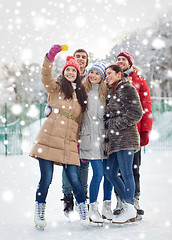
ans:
(41, 210)
(82, 212)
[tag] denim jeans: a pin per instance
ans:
(83, 174)
(107, 186)
(122, 160)
(98, 167)
(46, 169)
(136, 172)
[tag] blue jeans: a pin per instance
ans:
(98, 167)
(46, 169)
(122, 160)
(83, 174)
(107, 186)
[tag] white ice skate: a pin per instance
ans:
(106, 210)
(128, 214)
(82, 209)
(39, 215)
(94, 214)
(119, 206)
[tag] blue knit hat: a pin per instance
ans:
(100, 67)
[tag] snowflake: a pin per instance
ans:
(80, 21)
(154, 135)
(40, 150)
(158, 43)
(7, 196)
(16, 109)
(169, 73)
(5, 142)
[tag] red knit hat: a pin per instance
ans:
(71, 61)
(128, 56)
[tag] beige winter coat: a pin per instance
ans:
(57, 138)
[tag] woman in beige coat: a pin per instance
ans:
(56, 142)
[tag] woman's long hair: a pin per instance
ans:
(102, 89)
(117, 69)
(67, 89)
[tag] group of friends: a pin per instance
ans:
(101, 116)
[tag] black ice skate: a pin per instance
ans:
(68, 204)
(140, 212)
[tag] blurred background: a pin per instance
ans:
(103, 28)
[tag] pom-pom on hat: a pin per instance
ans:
(71, 61)
(128, 56)
(100, 67)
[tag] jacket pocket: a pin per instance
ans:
(85, 142)
(85, 138)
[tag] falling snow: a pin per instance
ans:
(103, 28)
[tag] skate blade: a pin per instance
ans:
(85, 226)
(99, 224)
(39, 228)
(139, 218)
(129, 220)
(106, 218)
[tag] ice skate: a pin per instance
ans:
(140, 212)
(82, 209)
(127, 215)
(39, 215)
(106, 210)
(119, 206)
(68, 204)
(94, 214)
(76, 205)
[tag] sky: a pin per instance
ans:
(28, 29)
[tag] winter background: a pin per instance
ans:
(103, 28)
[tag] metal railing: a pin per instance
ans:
(18, 140)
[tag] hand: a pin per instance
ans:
(144, 138)
(53, 52)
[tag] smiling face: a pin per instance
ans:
(95, 77)
(70, 73)
(82, 59)
(123, 63)
(112, 76)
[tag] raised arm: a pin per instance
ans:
(47, 77)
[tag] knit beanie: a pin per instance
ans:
(128, 56)
(100, 67)
(71, 61)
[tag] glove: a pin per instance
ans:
(144, 138)
(83, 160)
(53, 52)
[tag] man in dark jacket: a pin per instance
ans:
(125, 61)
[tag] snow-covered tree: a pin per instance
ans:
(22, 83)
(152, 51)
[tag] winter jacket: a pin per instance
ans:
(57, 138)
(84, 75)
(122, 111)
(92, 128)
(145, 124)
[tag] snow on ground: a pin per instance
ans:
(19, 176)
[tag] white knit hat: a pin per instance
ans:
(100, 67)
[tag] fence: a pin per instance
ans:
(17, 137)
